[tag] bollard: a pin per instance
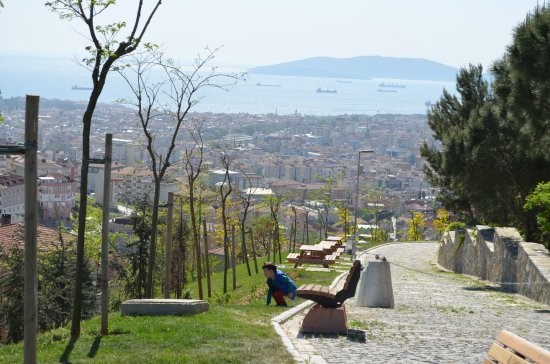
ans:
(375, 286)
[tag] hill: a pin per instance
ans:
(365, 67)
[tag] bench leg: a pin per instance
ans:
(320, 320)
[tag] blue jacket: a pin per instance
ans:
(281, 282)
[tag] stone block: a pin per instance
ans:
(157, 307)
(375, 286)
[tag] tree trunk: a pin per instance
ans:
(77, 303)
(233, 257)
(196, 241)
(225, 247)
(150, 289)
(253, 250)
(244, 252)
(207, 258)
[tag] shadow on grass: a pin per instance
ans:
(95, 347)
(67, 352)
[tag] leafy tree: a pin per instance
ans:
(416, 226)
(11, 286)
(441, 221)
(108, 46)
(263, 227)
(495, 140)
(130, 261)
(57, 267)
(345, 217)
(55, 293)
(539, 202)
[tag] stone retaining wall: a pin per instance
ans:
(499, 255)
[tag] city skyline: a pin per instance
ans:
(259, 33)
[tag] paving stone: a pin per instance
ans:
(438, 317)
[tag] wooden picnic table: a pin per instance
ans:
(330, 245)
(312, 254)
(337, 239)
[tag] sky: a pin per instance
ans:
(260, 32)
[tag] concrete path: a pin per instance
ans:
(438, 317)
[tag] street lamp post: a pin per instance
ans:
(356, 230)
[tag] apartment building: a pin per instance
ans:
(12, 199)
(56, 197)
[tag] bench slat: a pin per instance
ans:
(504, 356)
(524, 347)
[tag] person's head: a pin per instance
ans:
(269, 269)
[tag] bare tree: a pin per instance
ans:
(274, 203)
(108, 46)
(225, 188)
(245, 199)
(180, 89)
(192, 160)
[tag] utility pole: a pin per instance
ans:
(105, 234)
(30, 326)
(207, 258)
(30, 286)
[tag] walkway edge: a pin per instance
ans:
(280, 319)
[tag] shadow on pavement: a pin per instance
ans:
(353, 335)
(485, 288)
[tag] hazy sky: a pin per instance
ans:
(257, 32)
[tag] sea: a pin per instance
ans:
(54, 78)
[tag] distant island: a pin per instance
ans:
(365, 67)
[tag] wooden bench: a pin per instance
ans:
(328, 316)
(329, 299)
(512, 349)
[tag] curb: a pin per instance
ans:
(280, 319)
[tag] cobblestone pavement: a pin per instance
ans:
(438, 317)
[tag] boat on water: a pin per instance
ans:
(392, 85)
(267, 85)
(386, 90)
(75, 87)
(325, 91)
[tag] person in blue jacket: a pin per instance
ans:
(279, 285)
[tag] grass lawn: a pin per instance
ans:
(236, 329)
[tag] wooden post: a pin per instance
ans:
(233, 257)
(30, 326)
(168, 263)
(105, 234)
(207, 257)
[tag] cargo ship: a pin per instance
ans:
(267, 85)
(75, 87)
(326, 91)
(392, 85)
